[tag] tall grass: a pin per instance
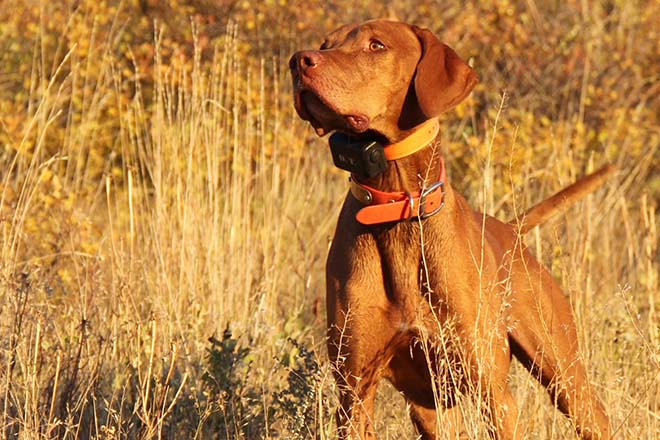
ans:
(209, 220)
(211, 215)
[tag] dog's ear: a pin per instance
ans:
(442, 79)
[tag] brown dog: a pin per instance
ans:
(437, 304)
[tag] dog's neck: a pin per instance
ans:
(413, 161)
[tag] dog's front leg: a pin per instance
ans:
(360, 329)
(359, 356)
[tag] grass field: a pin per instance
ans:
(165, 216)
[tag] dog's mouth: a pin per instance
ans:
(305, 101)
(324, 116)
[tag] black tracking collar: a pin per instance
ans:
(365, 158)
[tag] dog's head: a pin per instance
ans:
(380, 77)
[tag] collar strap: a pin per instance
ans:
(383, 207)
(420, 138)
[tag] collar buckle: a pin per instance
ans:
(439, 185)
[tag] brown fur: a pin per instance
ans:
(561, 201)
(453, 306)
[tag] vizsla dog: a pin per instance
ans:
(422, 290)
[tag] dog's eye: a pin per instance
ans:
(375, 45)
(325, 45)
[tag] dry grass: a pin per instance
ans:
(210, 206)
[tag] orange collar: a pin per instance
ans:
(420, 138)
(383, 207)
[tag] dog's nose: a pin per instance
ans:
(304, 60)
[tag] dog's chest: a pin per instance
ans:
(407, 262)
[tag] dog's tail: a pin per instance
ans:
(561, 201)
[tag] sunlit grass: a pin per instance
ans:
(149, 203)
